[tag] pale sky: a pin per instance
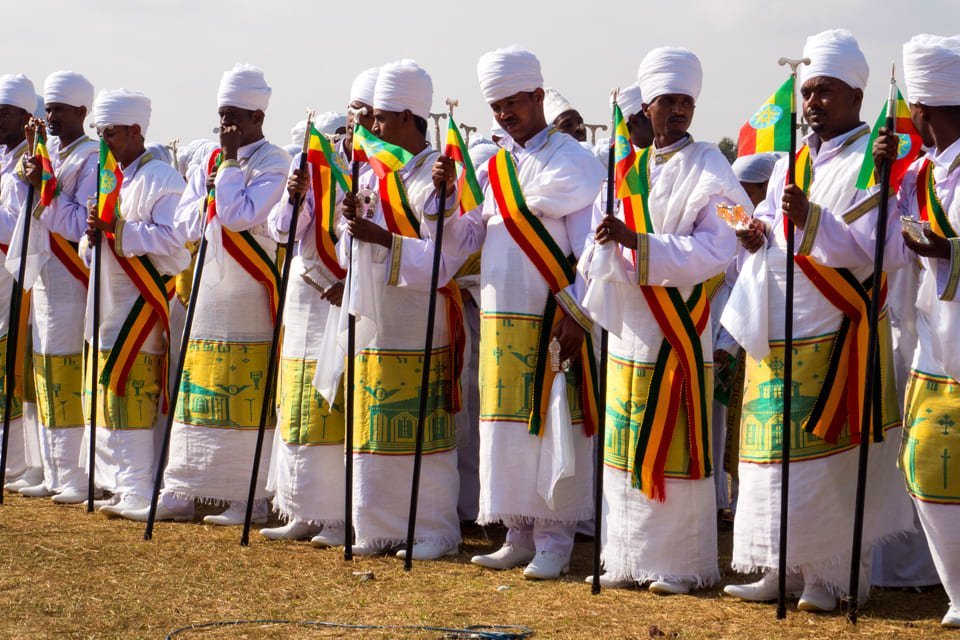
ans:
(176, 50)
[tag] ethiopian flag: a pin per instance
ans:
(320, 153)
(108, 184)
(48, 181)
(625, 173)
(769, 128)
(908, 151)
(383, 157)
(471, 195)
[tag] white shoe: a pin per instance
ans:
(71, 496)
(766, 588)
(142, 514)
(952, 619)
(670, 587)
(506, 557)
(237, 512)
(37, 491)
(608, 582)
(99, 504)
(429, 551)
(547, 565)
(367, 549)
(816, 599)
(293, 530)
(129, 502)
(329, 537)
(29, 478)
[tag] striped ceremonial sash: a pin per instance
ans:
(66, 253)
(402, 220)
(20, 357)
(557, 270)
(244, 248)
(325, 203)
(931, 209)
(679, 376)
(844, 386)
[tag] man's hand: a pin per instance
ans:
(298, 184)
(369, 231)
(348, 206)
(570, 336)
(937, 248)
(94, 224)
(230, 141)
(33, 171)
(444, 171)
(886, 148)
(334, 294)
(795, 205)
(754, 236)
(612, 228)
(211, 180)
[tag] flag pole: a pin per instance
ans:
(425, 367)
(348, 409)
(599, 443)
(871, 411)
(786, 416)
(272, 361)
(94, 354)
(178, 376)
(13, 331)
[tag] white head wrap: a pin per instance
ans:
(670, 70)
(122, 107)
(297, 133)
(554, 104)
(495, 129)
(364, 85)
(931, 67)
(630, 100)
(194, 152)
(508, 71)
(244, 87)
(835, 54)
(68, 87)
(39, 108)
(328, 123)
(160, 151)
(404, 85)
(755, 168)
(16, 90)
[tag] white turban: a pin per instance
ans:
(160, 151)
(68, 87)
(508, 71)
(364, 85)
(554, 104)
(931, 66)
(835, 54)
(404, 85)
(755, 168)
(496, 131)
(328, 123)
(194, 152)
(17, 91)
(121, 107)
(670, 70)
(244, 87)
(39, 108)
(297, 133)
(630, 100)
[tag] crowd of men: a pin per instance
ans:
(693, 306)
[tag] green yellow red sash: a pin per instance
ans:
(243, 248)
(557, 270)
(842, 394)
(402, 220)
(66, 253)
(931, 209)
(679, 376)
(325, 205)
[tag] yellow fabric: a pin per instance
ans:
(305, 417)
(930, 455)
(222, 384)
(59, 384)
(628, 391)
(508, 361)
(138, 407)
(387, 402)
(16, 407)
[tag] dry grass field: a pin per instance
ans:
(67, 574)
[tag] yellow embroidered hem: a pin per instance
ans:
(138, 407)
(930, 453)
(59, 385)
(305, 417)
(16, 407)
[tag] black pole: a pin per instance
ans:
(94, 366)
(348, 396)
(786, 416)
(178, 377)
(602, 404)
(870, 382)
(425, 377)
(13, 331)
(274, 352)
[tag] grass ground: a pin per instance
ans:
(67, 574)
